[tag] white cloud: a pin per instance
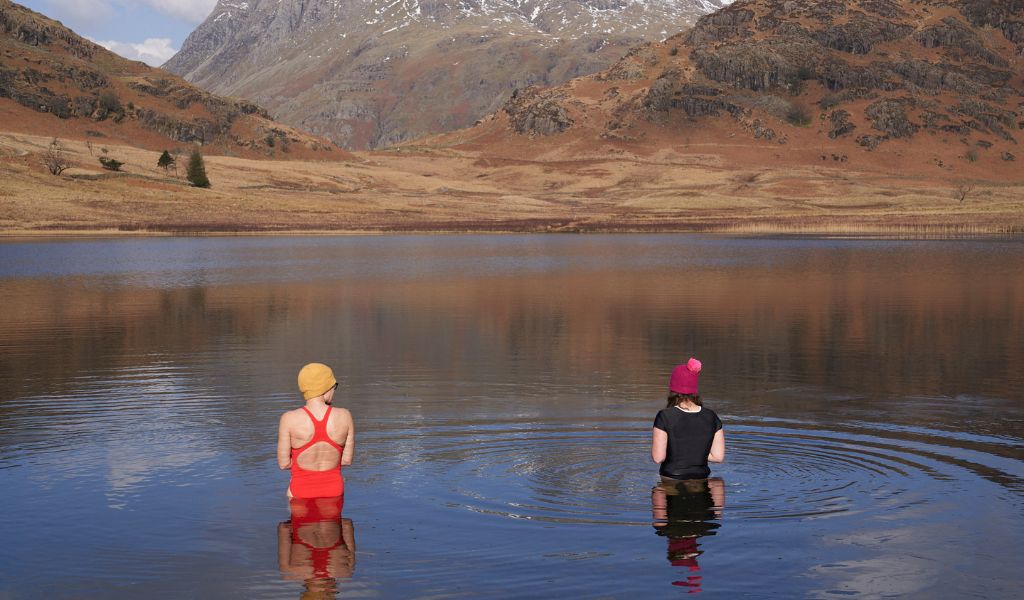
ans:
(193, 11)
(153, 51)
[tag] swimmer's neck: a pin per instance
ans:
(317, 402)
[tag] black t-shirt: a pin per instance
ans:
(689, 441)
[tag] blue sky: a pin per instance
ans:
(147, 30)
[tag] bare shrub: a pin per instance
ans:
(55, 158)
(963, 189)
(175, 159)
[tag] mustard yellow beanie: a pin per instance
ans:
(315, 379)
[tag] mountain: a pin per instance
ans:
(55, 82)
(368, 73)
(926, 86)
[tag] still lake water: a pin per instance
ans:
(503, 389)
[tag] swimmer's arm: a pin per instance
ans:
(284, 547)
(348, 534)
(717, 488)
(717, 453)
(284, 445)
(350, 443)
(659, 444)
(659, 506)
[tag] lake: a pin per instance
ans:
(503, 389)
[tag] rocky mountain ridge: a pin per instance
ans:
(371, 73)
(48, 70)
(943, 76)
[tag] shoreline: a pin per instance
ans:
(924, 231)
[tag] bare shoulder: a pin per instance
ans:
(289, 416)
(342, 414)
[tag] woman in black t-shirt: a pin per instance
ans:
(686, 436)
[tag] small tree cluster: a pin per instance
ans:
(109, 104)
(111, 164)
(798, 115)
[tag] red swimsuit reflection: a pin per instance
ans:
(684, 512)
(317, 546)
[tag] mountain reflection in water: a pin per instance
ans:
(863, 321)
(503, 390)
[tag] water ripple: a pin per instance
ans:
(598, 471)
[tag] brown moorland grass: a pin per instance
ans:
(704, 187)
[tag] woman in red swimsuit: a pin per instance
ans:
(315, 441)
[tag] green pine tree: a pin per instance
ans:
(165, 160)
(196, 173)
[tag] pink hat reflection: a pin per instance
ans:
(684, 377)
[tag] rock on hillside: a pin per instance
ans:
(851, 75)
(368, 73)
(46, 68)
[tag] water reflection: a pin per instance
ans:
(684, 512)
(855, 322)
(870, 388)
(317, 546)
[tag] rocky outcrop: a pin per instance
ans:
(861, 33)
(26, 27)
(890, 117)
(985, 117)
(192, 131)
(1004, 15)
(762, 131)
(836, 74)
(870, 142)
(534, 111)
(759, 65)
(959, 40)
(723, 25)
(91, 95)
(841, 125)
(667, 93)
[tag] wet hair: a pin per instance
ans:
(675, 399)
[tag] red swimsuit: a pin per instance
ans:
(307, 514)
(316, 484)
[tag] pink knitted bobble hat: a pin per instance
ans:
(684, 377)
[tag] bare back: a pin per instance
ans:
(321, 456)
